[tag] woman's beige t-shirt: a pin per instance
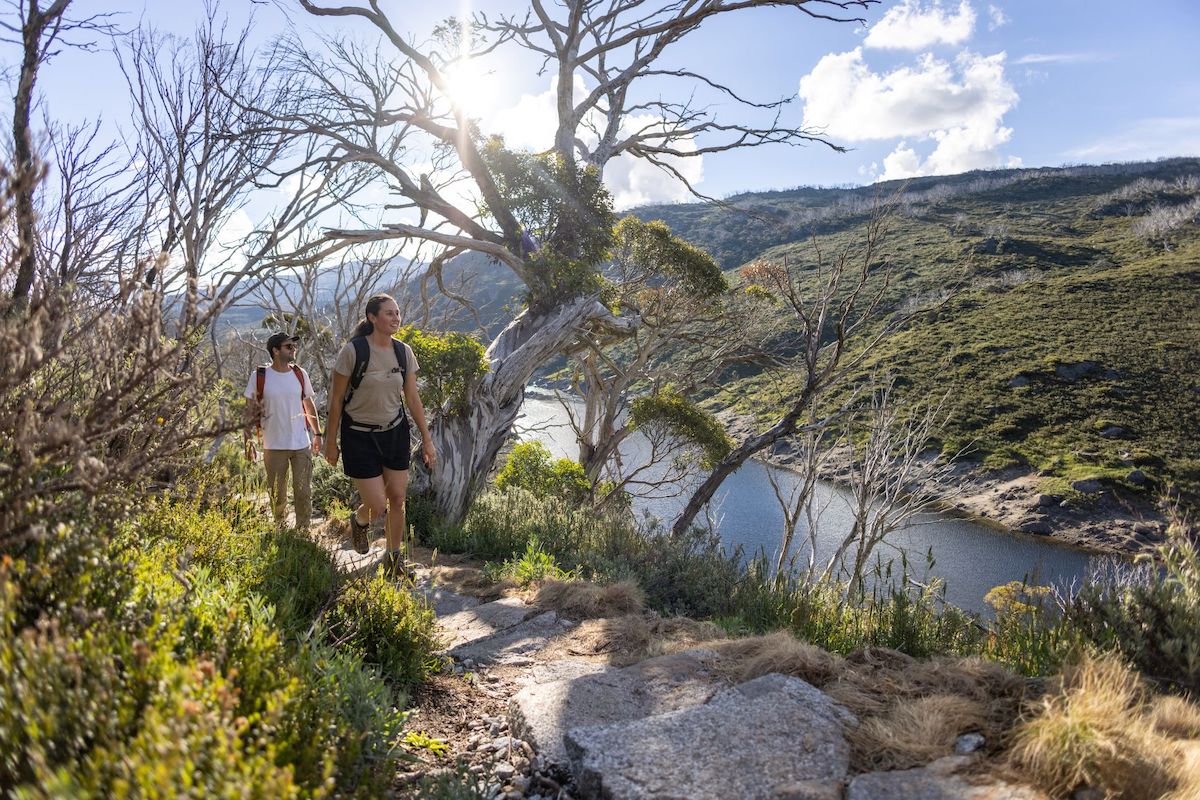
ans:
(380, 396)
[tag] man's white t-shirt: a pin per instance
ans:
(282, 412)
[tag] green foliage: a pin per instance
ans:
(568, 209)
(531, 566)
(182, 677)
(168, 656)
(330, 485)
(649, 248)
(683, 419)
(1149, 613)
(239, 546)
(388, 626)
(451, 363)
(420, 740)
(529, 466)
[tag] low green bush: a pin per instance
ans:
(145, 664)
(388, 626)
(535, 564)
(330, 486)
(531, 467)
(1149, 612)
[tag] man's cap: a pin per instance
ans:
(279, 340)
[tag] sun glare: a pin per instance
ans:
(473, 87)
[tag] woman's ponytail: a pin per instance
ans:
(366, 327)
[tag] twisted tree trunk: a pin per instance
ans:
(467, 445)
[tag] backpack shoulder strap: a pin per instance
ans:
(300, 377)
(362, 356)
(260, 382)
(401, 357)
(309, 423)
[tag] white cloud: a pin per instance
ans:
(910, 26)
(1059, 58)
(996, 18)
(959, 106)
(529, 125)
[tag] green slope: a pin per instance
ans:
(1068, 325)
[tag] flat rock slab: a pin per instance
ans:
(511, 644)
(761, 739)
(543, 711)
(485, 620)
(935, 782)
(444, 602)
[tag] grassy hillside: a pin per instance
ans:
(1072, 345)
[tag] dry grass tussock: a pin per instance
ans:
(471, 581)
(631, 638)
(1098, 727)
(1175, 717)
(584, 600)
(914, 732)
(752, 657)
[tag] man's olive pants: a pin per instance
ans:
(276, 463)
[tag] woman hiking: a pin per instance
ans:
(374, 378)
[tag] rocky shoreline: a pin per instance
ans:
(1099, 519)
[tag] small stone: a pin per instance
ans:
(1086, 486)
(1136, 477)
(1037, 526)
(1048, 499)
(521, 763)
(1114, 432)
(969, 743)
(505, 771)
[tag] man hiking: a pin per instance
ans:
(280, 409)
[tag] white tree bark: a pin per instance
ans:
(467, 445)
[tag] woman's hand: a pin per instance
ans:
(429, 454)
(331, 451)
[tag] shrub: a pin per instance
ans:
(531, 467)
(1150, 612)
(535, 564)
(182, 675)
(329, 486)
(388, 627)
(342, 714)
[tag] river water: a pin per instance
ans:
(970, 558)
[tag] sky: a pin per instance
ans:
(925, 88)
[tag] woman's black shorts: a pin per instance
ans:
(366, 454)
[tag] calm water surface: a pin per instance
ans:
(971, 558)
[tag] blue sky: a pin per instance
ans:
(925, 88)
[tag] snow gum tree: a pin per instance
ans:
(546, 216)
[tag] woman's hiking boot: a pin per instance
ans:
(358, 534)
